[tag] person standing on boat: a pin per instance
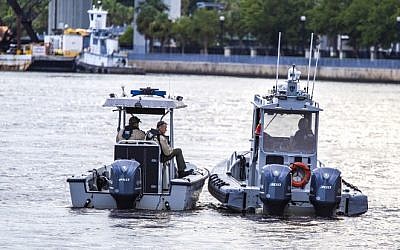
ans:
(132, 131)
(168, 152)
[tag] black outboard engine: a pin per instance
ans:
(126, 183)
(325, 190)
(275, 189)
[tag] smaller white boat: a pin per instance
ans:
(103, 54)
(137, 178)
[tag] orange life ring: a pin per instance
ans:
(307, 173)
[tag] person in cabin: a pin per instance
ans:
(132, 131)
(304, 137)
(167, 152)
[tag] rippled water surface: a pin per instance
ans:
(53, 126)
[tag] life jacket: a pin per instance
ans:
(127, 132)
(153, 134)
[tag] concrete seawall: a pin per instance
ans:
(268, 71)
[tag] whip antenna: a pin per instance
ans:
(277, 62)
(309, 59)
(315, 71)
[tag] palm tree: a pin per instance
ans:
(205, 27)
(147, 13)
(181, 31)
(160, 29)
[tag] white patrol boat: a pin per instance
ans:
(281, 173)
(137, 178)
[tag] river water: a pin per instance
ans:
(53, 126)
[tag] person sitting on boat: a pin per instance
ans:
(132, 131)
(167, 152)
(304, 137)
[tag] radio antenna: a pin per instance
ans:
(315, 71)
(277, 62)
(309, 59)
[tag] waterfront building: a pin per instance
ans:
(71, 13)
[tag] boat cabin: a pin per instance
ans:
(285, 126)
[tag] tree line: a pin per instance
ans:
(366, 23)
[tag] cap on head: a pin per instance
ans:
(160, 123)
(134, 120)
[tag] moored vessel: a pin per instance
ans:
(103, 54)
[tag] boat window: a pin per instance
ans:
(289, 132)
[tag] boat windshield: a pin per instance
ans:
(289, 132)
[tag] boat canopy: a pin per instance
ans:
(282, 103)
(145, 101)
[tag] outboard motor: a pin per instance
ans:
(275, 189)
(126, 183)
(325, 190)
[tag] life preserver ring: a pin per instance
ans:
(307, 174)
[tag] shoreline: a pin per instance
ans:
(352, 74)
(351, 70)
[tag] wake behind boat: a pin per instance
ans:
(281, 173)
(138, 178)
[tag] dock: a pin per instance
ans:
(15, 62)
(52, 64)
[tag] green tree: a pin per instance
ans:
(185, 7)
(252, 14)
(160, 28)
(35, 10)
(159, 5)
(205, 27)
(234, 22)
(126, 39)
(182, 31)
(324, 17)
(118, 13)
(266, 18)
(147, 13)
(352, 20)
(380, 26)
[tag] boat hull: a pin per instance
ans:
(92, 63)
(182, 194)
(237, 196)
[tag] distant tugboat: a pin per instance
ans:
(103, 56)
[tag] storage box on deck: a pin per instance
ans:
(72, 45)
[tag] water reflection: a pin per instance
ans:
(54, 126)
